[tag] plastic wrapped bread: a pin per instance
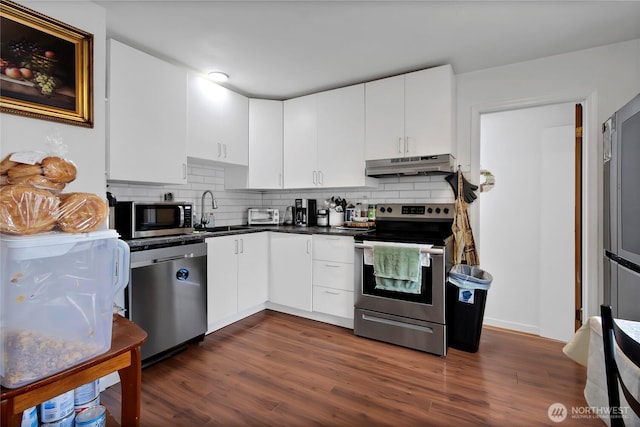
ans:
(81, 212)
(25, 209)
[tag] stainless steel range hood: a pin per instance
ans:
(419, 165)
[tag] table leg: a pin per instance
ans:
(130, 383)
(8, 417)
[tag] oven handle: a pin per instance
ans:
(431, 251)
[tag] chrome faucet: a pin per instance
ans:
(214, 205)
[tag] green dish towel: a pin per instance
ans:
(397, 268)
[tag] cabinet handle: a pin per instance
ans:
(406, 145)
(315, 178)
(332, 293)
(219, 150)
(308, 247)
(224, 150)
(184, 171)
(332, 265)
(236, 242)
(241, 246)
(400, 145)
(280, 180)
(320, 178)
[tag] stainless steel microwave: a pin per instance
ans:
(134, 220)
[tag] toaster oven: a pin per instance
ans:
(263, 216)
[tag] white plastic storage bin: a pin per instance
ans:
(57, 301)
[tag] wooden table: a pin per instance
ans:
(123, 356)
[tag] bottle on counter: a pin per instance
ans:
(371, 212)
(364, 207)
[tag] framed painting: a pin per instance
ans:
(46, 67)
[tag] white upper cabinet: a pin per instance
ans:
(217, 122)
(265, 149)
(324, 139)
(146, 112)
(341, 137)
(300, 142)
(411, 114)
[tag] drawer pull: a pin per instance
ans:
(332, 293)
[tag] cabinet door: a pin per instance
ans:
(234, 128)
(253, 270)
(384, 110)
(300, 140)
(333, 248)
(222, 278)
(265, 144)
(202, 117)
(341, 137)
(333, 301)
(147, 118)
(429, 104)
(335, 275)
(290, 279)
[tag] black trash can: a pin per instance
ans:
(466, 298)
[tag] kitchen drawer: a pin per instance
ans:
(336, 275)
(333, 301)
(333, 248)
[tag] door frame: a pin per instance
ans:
(592, 194)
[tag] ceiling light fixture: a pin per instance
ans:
(218, 76)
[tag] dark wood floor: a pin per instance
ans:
(276, 369)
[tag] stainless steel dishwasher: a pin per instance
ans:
(167, 296)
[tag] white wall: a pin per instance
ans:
(606, 77)
(86, 146)
(201, 176)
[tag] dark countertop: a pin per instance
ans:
(200, 236)
(309, 230)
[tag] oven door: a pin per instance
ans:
(428, 305)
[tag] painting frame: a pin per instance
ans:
(46, 67)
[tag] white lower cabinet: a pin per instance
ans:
(237, 275)
(333, 275)
(332, 301)
(290, 277)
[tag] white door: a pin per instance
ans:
(300, 142)
(341, 136)
(526, 235)
(384, 112)
(253, 270)
(222, 278)
(290, 280)
(265, 143)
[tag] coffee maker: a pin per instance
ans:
(305, 212)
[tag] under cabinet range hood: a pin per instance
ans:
(419, 165)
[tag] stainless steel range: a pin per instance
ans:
(415, 320)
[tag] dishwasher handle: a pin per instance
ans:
(153, 261)
(172, 258)
(121, 267)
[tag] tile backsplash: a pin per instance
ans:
(233, 204)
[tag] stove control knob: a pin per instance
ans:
(437, 210)
(429, 210)
(446, 210)
(389, 210)
(382, 209)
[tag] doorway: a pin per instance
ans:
(527, 220)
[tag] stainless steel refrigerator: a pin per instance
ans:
(622, 211)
